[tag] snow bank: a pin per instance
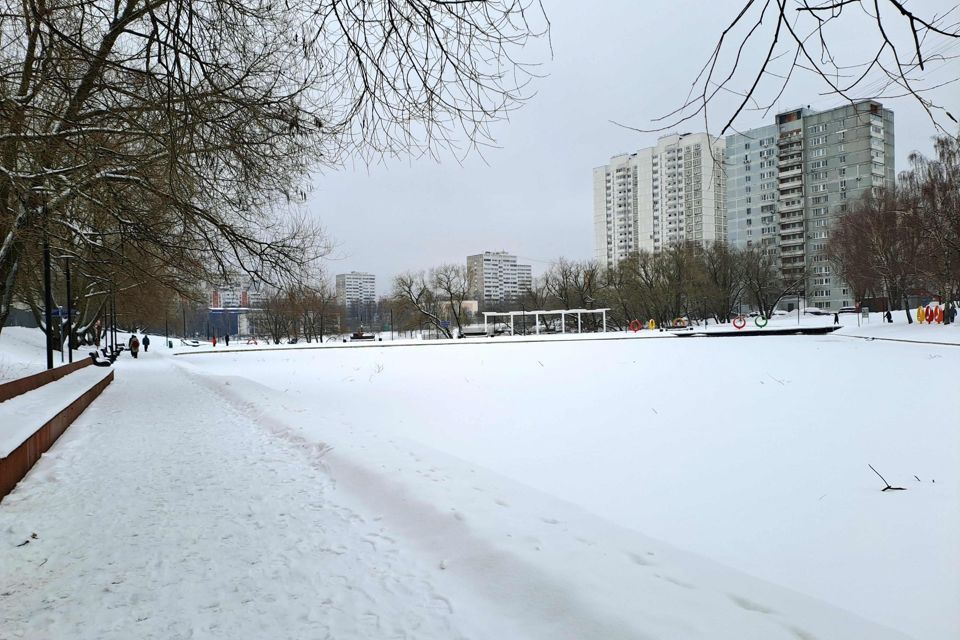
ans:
(751, 452)
(21, 416)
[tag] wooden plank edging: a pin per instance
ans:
(14, 467)
(20, 386)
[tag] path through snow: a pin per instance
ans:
(151, 527)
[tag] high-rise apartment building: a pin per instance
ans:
(355, 288)
(237, 293)
(789, 182)
(496, 278)
(659, 197)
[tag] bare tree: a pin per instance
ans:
(767, 42)
(274, 316)
(722, 281)
(885, 232)
(449, 283)
(932, 187)
(763, 282)
(187, 129)
(415, 290)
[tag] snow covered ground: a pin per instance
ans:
(694, 488)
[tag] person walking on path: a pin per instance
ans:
(836, 318)
(146, 343)
(226, 339)
(214, 340)
(134, 346)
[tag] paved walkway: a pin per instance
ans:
(237, 535)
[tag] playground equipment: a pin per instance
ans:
(741, 321)
(932, 313)
(563, 313)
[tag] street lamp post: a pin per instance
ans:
(47, 301)
(68, 325)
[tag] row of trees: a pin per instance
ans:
(683, 281)
(688, 281)
(299, 312)
(906, 240)
(168, 143)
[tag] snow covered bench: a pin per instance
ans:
(33, 420)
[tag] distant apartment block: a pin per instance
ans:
(495, 278)
(659, 197)
(237, 294)
(789, 182)
(355, 288)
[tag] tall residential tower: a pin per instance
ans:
(659, 197)
(495, 278)
(355, 289)
(789, 182)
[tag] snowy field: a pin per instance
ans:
(584, 488)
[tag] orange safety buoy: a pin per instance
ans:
(920, 315)
(939, 315)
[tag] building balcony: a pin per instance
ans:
(794, 159)
(790, 173)
(791, 205)
(791, 182)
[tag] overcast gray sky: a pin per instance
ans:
(532, 195)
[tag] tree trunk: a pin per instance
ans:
(906, 309)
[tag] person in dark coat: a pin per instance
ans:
(146, 343)
(134, 346)
(836, 318)
(226, 339)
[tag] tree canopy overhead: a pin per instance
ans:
(168, 139)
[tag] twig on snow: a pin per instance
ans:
(888, 487)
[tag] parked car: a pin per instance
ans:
(848, 310)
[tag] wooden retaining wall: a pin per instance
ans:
(22, 385)
(15, 466)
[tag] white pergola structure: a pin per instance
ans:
(563, 313)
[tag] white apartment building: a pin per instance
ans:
(659, 197)
(496, 278)
(356, 288)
